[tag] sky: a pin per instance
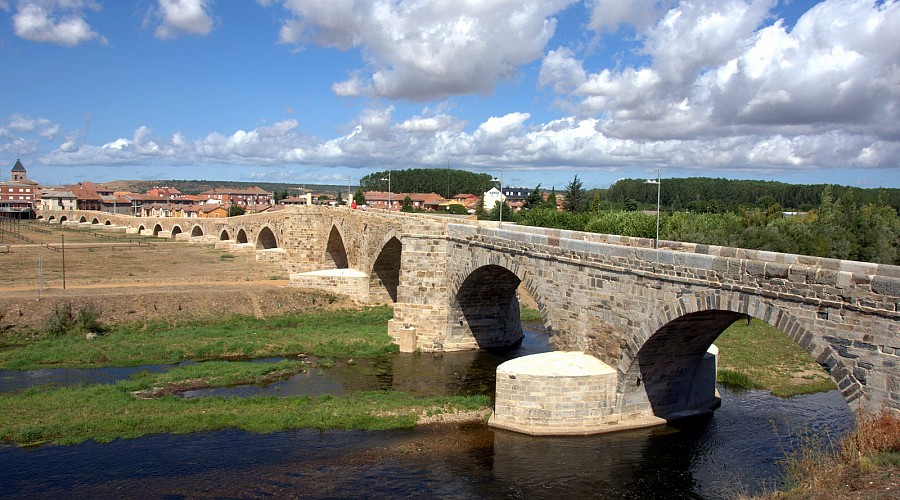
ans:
(530, 91)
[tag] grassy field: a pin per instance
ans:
(361, 333)
(758, 356)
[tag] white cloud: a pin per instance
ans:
(55, 21)
(422, 51)
(726, 69)
(183, 17)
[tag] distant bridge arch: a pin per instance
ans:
(266, 239)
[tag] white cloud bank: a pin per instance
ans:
(55, 21)
(183, 17)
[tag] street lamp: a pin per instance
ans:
(658, 185)
(349, 193)
(389, 188)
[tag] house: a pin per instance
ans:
(213, 210)
(88, 196)
(381, 199)
(19, 194)
(57, 199)
(250, 196)
(492, 197)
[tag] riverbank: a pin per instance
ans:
(864, 464)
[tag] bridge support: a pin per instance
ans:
(573, 393)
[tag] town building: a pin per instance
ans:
(18, 195)
(250, 196)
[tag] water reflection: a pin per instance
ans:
(734, 451)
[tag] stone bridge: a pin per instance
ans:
(649, 314)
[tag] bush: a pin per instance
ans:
(63, 321)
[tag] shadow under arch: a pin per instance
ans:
(661, 363)
(224, 236)
(197, 231)
(95, 221)
(176, 230)
(107, 223)
(82, 220)
(335, 252)
(51, 218)
(141, 229)
(156, 229)
(485, 307)
(63, 218)
(384, 279)
(241, 236)
(266, 239)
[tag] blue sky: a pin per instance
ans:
(314, 91)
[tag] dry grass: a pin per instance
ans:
(866, 464)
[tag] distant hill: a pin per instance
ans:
(197, 187)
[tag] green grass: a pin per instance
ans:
(357, 333)
(528, 314)
(760, 356)
(106, 412)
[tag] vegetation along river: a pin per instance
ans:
(735, 451)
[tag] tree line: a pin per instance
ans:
(446, 182)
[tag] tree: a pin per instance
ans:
(457, 209)
(359, 197)
(508, 214)
(235, 210)
(480, 212)
(575, 197)
(339, 200)
(534, 199)
(551, 199)
(595, 205)
(407, 205)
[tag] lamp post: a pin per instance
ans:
(658, 185)
(349, 193)
(389, 188)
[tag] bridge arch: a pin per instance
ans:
(95, 221)
(156, 229)
(197, 231)
(660, 361)
(266, 239)
(241, 236)
(107, 223)
(484, 305)
(51, 218)
(335, 252)
(63, 218)
(224, 236)
(384, 277)
(141, 229)
(83, 219)
(176, 229)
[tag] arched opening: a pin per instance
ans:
(241, 236)
(63, 219)
(95, 221)
(224, 236)
(335, 254)
(486, 308)
(266, 239)
(385, 276)
(107, 223)
(141, 229)
(673, 372)
(197, 231)
(40, 217)
(156, 229)
(51, 218)
(82, 220)
(176, 230)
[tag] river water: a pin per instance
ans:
(737, 450)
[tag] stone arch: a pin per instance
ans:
(660, 362)
(197, 231)
(63, 218)
(335, 253)
(224, 236)
(141, 229)
(241, 236)
(176, 229)
(40, 217)
(83, 219)
(51, 218)
(475, 279)
(384, 278)
(107, 223)
(95, 221)
(156, 229)
(266, 239)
